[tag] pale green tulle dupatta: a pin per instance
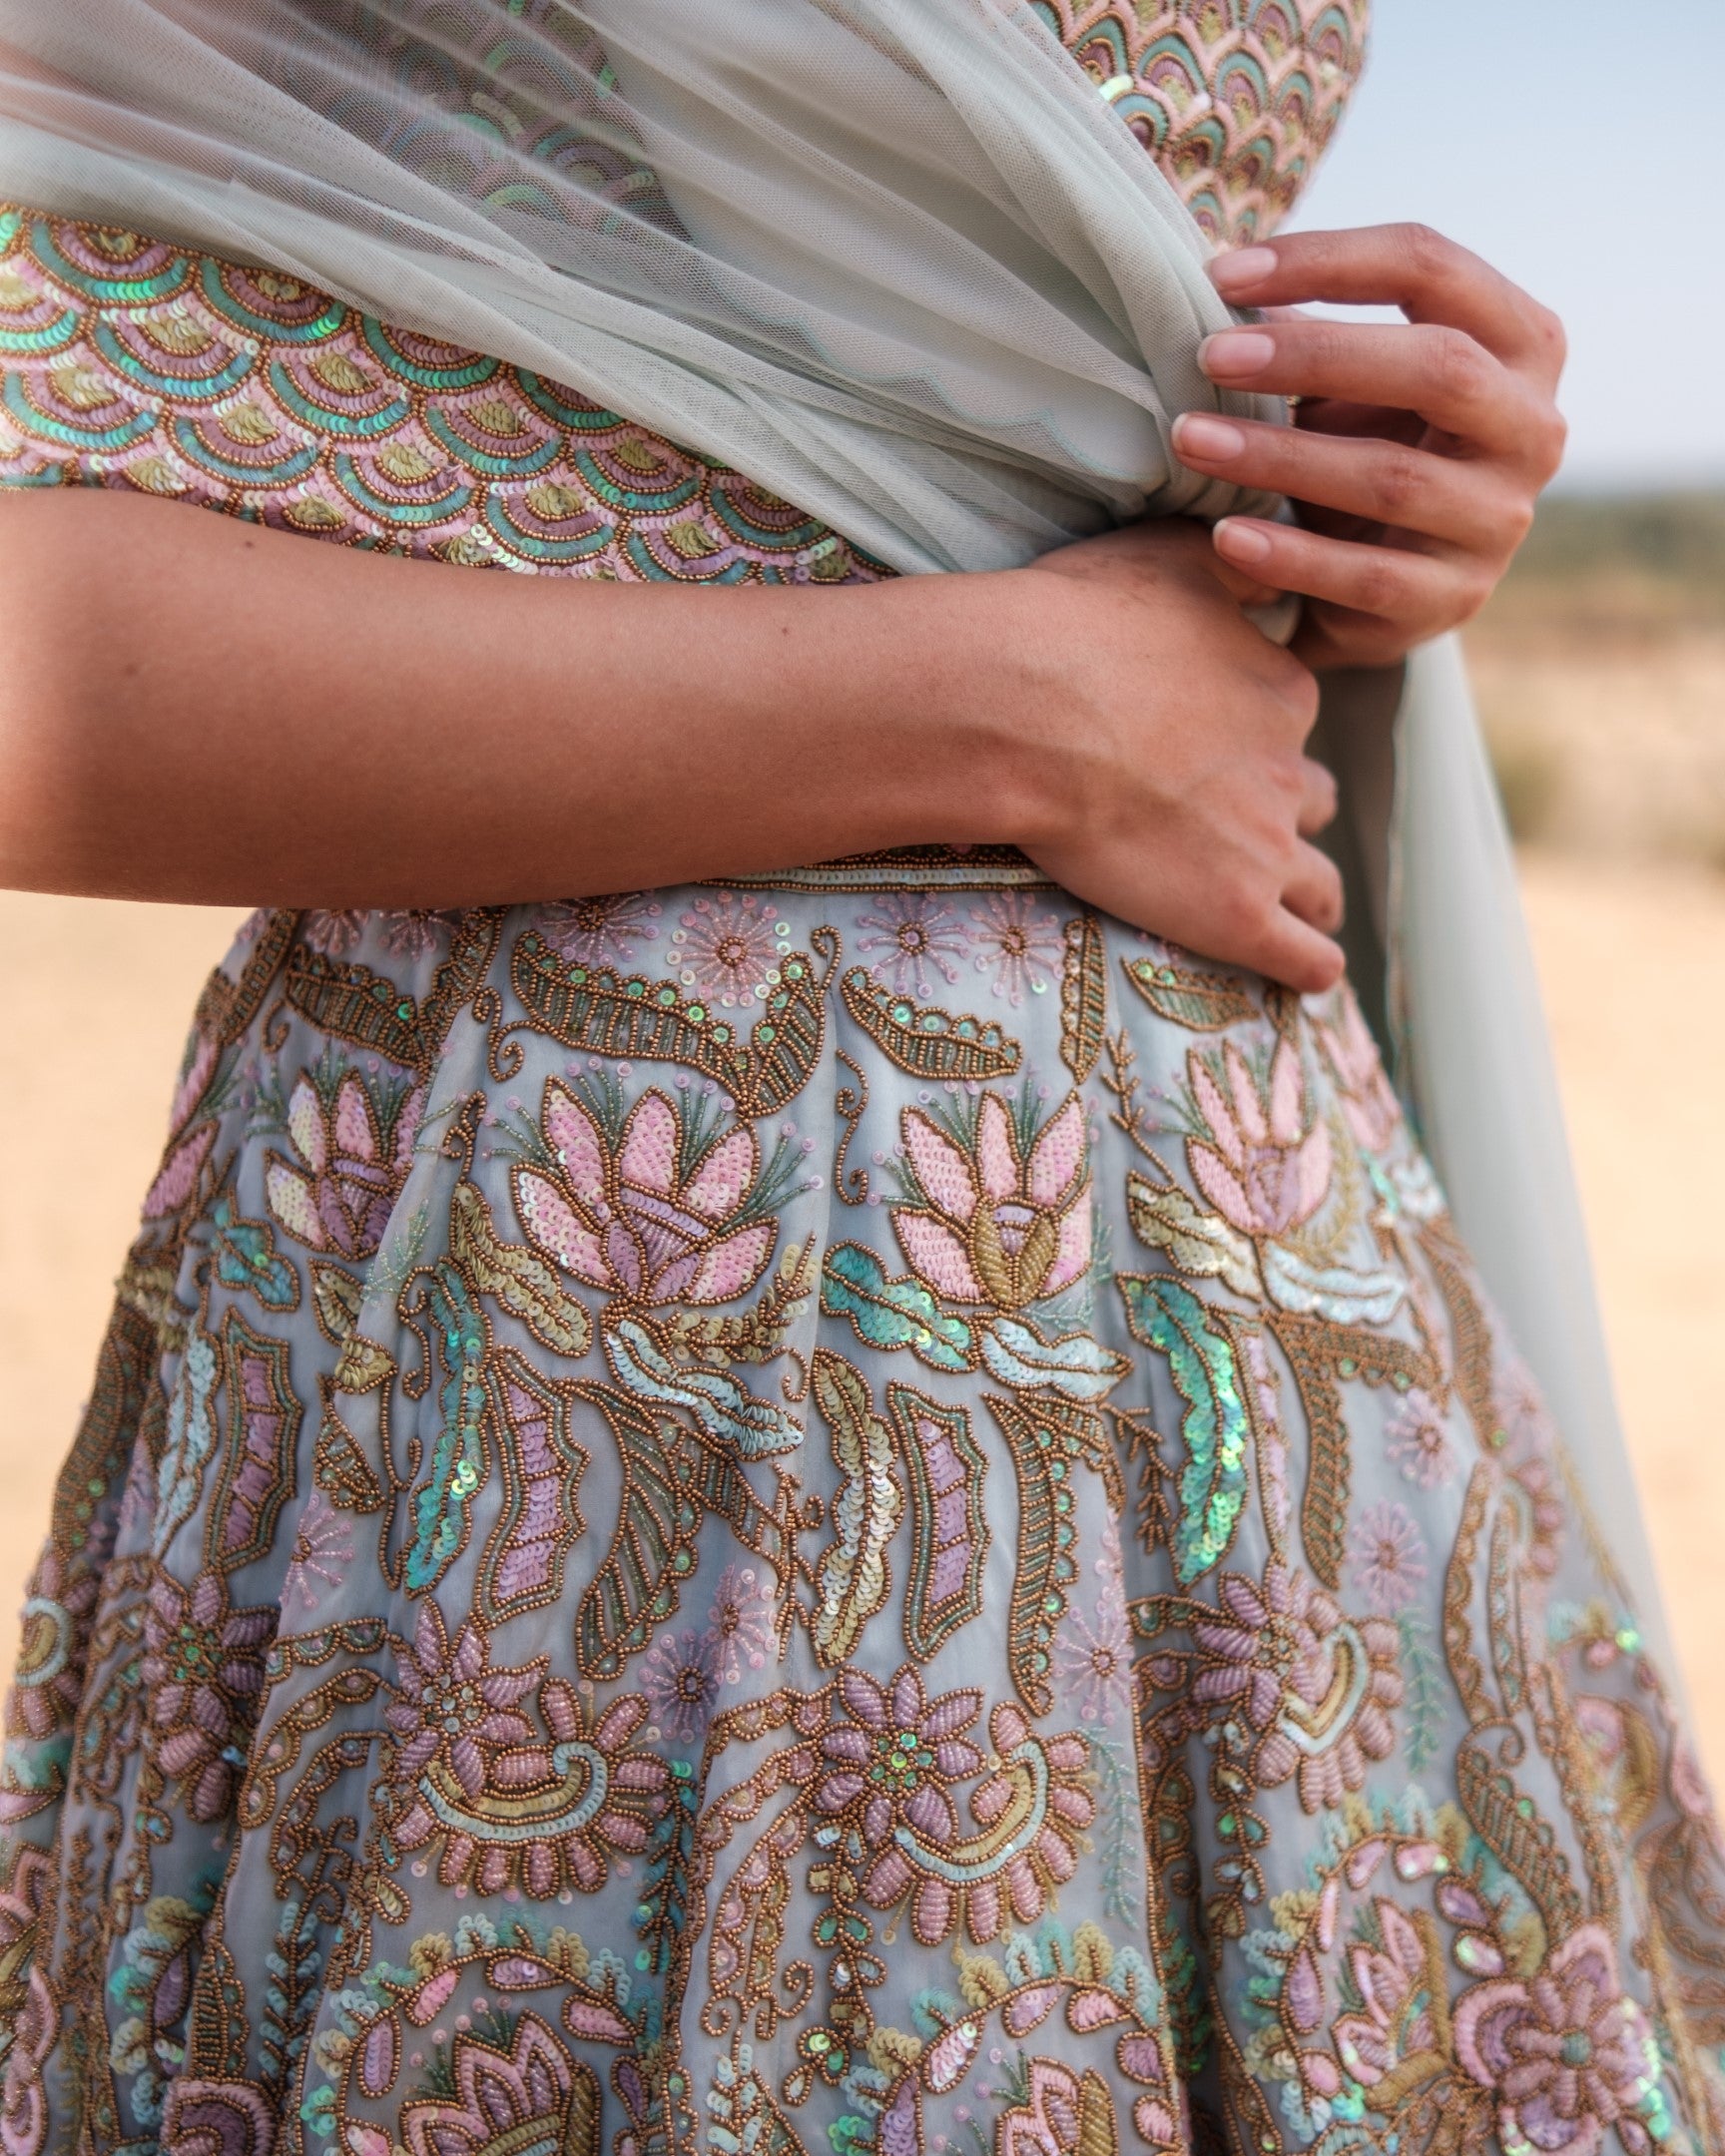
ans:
(896, 259)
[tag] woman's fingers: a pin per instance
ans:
(1381, 482)
(1388, 582)
(1432, 278)
(1444, 374)
(1293, 953)
(1313, 893)
(1317, 799)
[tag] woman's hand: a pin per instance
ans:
(1162, 768)
(1110, 709)
(1418, 449)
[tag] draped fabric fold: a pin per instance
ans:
(896, 259)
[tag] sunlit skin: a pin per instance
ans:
(365, 730)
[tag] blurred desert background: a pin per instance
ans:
(1601, 671)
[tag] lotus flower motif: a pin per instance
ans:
(1258, 1164)
(533, 2096)
(1394, 1983)
(1006, 1222)
(353, 1155)
(656, 1219)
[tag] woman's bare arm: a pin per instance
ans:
(202, 709)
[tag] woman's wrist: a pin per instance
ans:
(964, 698)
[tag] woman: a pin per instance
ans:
(856, 1506)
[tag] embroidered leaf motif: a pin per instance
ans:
(1512, 1828)
(542, 1464)
(362, 1364)
(1042, 1452)
(851, 1578)
(520, 1280)
(189, 1441)
(339, 1463)
(721, 1408)
(891, 1313)
(608, 1014)
(948, 1528)
(1336, 1293)
(925, 1040)
(355, 1004)
(257, 1476)
(336, 1297)
(1084, 996)
(455, 1456)
(1076, 1364)
(653, 1548)
(1202, 1244)
(1203, 1002)
(1200, 1351)
(247, 1258)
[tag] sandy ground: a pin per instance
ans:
(96, 998)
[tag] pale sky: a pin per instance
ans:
(1577, 144)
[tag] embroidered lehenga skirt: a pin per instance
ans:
(846, 1512)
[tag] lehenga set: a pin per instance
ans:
(846, 1512)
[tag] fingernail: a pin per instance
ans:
(1241, 542)
(1235, 352)
(1195, 434)
(1243, 268)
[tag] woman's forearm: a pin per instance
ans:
(200, 710)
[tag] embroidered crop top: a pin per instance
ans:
(129, 362)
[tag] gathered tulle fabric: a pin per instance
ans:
(898, 261)
(894, 259)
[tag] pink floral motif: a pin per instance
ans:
(323, 1549)
(727, 947)
(740, 1624)
(678, 1678)
(1566, 2054)
(1388, 1558)
(1315, 1688)
(1417, 1442)
(512, 1806)
(414, 931)
(603, 931)
(646, 1221)
(1003, 1225)
(1259, 1165)
(354, 1156)
(203, 1670)
(1395, 1980)
(918, 934)
(1369, 1102)
(1020, 944)
(890, 1769)
(333, 931)
(1094, 1655)
(533, 2096)
(451, 1702)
